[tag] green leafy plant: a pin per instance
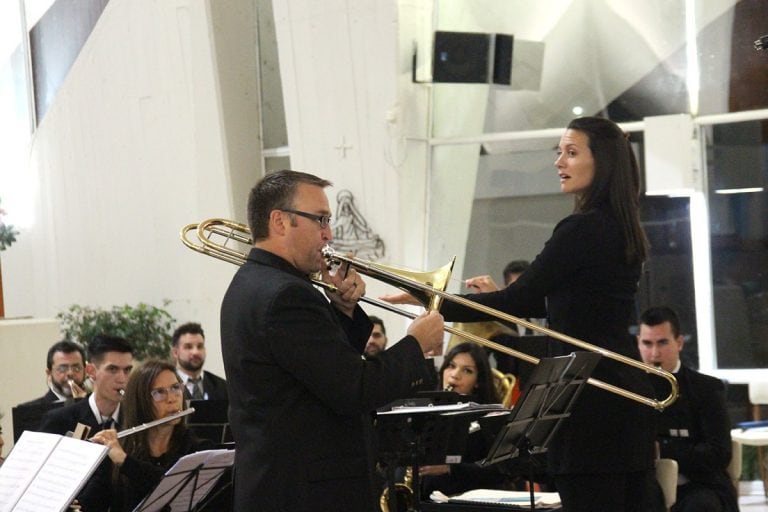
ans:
(7, 232)
(147, 327)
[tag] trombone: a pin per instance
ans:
(427, 287)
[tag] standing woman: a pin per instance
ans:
(136, 463)
(584, 281)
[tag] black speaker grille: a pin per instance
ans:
(460, 57)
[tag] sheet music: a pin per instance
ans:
(508, 498)
(22, 464)
(166, 495)
(47, 471)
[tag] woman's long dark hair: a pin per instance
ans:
(616, 183)
(485, 390)
(137, 408)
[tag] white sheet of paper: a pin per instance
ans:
(22, 464)
(45, 471)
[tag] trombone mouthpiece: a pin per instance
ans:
(328, 252)
(449, 387)
(121, 391)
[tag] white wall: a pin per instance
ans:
(339, 64)
(134, 147)
(23, 374)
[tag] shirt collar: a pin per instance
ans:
(58, 395)
(95, 410)
(185, 378)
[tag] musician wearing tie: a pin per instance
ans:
(109, 365)
(188, 351)
(136, 463)
(695, 430)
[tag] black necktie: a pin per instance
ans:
(197, 392)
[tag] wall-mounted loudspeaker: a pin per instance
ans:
(470, 57)
(461, 57)
(502, 58)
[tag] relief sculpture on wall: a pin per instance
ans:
(351, 233)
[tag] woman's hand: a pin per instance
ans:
(440, 469)
(401, 298)
(481, 284)
(109, 439)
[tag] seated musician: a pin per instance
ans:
(136, 463)
(465, 370)
(695, 430)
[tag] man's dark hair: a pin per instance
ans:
(660, 314)
(102, 343)
(378, 321)
(515, 267)
(187, 328)
(67, 347)
(275, 191)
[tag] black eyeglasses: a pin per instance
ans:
(323, 220)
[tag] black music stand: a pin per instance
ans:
(423, 434)
(210, 420)
(29, 416)
(547, 400)
(187, 485)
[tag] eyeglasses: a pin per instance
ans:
(65, 368)
(160, 394)
(323, 220)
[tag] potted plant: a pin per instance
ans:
(147, 327)
(7, 237)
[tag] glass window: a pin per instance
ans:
(737, 162)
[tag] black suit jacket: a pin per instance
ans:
(301, 394)
(582, 284)
(213, 385)
(48, 398)
(696, 432)
(63, 420)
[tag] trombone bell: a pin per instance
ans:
(395, 276)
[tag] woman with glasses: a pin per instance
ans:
(136, 463)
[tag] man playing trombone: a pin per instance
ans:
(300, 391)
(65, 373)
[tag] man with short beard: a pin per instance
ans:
(65, 363)
(188, 351)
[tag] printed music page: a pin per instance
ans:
(51, 470)
(22, 464)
